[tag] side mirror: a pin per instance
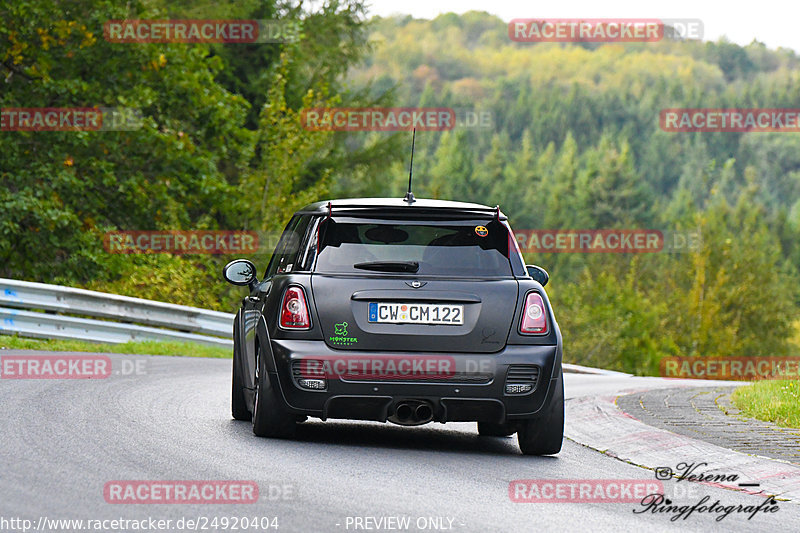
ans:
(538, 273)
(240, 272)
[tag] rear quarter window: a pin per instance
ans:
(286, 255)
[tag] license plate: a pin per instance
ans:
(416, 313)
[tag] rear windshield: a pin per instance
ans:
(451, 248)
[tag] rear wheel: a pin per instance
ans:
(543, 436)
(270, 417)
(489, 429)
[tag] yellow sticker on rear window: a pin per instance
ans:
(481, 231)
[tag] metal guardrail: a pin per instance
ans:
(186, 324)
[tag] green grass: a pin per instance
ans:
(142, 347)
(771, 400)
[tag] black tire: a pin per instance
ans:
(239, 408)
(270, 417)
(543, 436)
(489, 429)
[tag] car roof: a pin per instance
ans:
(399, 205)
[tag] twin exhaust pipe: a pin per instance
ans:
(412, 413)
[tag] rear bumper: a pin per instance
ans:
(453, 399)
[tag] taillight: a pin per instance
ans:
(294, 311)
(534, 318)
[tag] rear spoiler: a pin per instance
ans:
(445, 212)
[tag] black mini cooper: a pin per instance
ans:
(409, 311)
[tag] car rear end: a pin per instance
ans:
(411, 313)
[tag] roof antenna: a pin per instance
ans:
(409, 197)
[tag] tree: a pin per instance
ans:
(609, 191)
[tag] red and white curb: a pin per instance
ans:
(598, 423)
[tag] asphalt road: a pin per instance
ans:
(62, 440)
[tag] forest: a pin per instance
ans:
(568, 138)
